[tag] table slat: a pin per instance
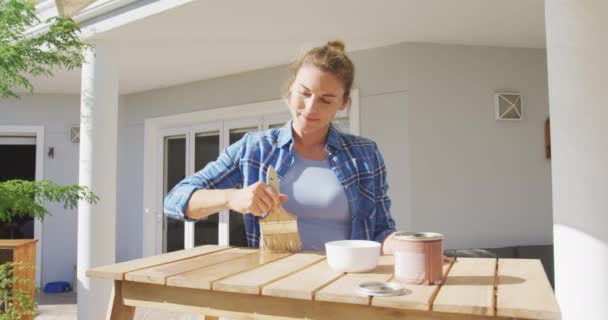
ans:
(202, 278)
(303, 284)
(345, 288)
(252, 281)
(524, 291)
(469, 288)
(118, 270)
(13, 243)
(159, 274)
(417, 297)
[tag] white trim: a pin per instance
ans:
(105, 15)
(189, 227)
(38, 132)
(152, 128)
(18, 140)
(49, 9)
(267, 120)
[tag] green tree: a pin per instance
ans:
(26, 198)
(23, 54)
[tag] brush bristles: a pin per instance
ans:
(282, 242)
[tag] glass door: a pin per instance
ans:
(17, 161)
(232, 228)
(188, 150)
(206, 146)
(174, 170)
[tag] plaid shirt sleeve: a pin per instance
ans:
(223, 173)
(385, 225)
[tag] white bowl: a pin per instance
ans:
(352, 255)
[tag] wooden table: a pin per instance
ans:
(241, 283)
(21, 251)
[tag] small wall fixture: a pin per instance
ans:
(508, 106)
(75, 134)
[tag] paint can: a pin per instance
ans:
(418, 257)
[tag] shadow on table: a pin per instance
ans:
(542, 252)
(481, 280)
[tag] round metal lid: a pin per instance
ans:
(380, 289)
(420, 236)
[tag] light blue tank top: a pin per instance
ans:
(318, 199)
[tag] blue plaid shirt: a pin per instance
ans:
(356, 161)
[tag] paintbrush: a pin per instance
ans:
(279, 228)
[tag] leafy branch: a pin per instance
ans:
(23, 55)
(20, 198)
(15, 301)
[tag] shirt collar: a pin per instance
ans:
(333, 138)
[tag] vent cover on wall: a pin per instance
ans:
(508, 106)
(75, 134)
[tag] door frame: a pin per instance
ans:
(153, 150)
(38, 133)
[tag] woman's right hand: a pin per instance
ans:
(257, 199)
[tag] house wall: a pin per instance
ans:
(482, 182)
(452, 167)
(130, 187)
(57, 113)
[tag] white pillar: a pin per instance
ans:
(577, 57)
(98, 161)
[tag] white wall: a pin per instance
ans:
(130, 188)
(57, 113)
(452, 167)
(482, 182)
(394, 145)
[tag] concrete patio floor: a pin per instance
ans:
(62, 306)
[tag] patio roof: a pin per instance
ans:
(166, 43)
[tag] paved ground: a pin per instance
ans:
(62, 306)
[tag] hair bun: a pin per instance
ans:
(336, 44)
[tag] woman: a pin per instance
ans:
(335, 182)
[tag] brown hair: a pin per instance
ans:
(329, 58)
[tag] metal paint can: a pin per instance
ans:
(418, 257)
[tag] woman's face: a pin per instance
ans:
(314, 98)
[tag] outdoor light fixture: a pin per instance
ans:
(508, 106)
(75, 134)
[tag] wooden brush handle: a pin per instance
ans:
(278, 214)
